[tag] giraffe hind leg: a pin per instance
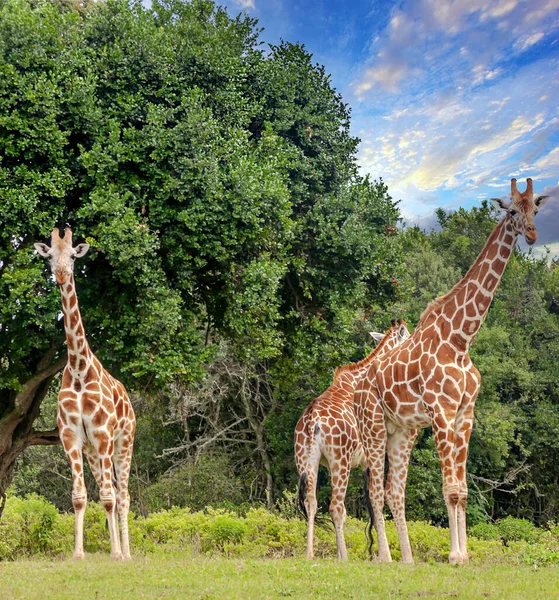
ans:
(310, 476)
(339, 475)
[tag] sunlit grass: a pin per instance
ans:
(176, 576)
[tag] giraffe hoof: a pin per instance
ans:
(455, 558)
(384, 558)
(78, 555)
(126, 557)
(116, 556)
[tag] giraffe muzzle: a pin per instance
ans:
(61, 277)
(531, 236)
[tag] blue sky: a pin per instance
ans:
(451, 98)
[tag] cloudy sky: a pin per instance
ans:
(451, 98)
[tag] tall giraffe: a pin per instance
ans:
(95, 416)
(327, 434)
(430, 381)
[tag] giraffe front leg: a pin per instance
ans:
(464, 424)
(399, 447)
(73, 449)
(104, 448)
(123, 463)
(443, 432)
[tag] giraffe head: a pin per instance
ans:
(61, 254)
(397, 334)
(521, 210)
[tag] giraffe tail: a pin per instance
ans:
(302, 494)
(369, 506)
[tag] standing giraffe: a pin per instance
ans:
(95, 416)
(327, 434)
(430, 380)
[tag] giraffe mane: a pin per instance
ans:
(457, 287)
(351, 367)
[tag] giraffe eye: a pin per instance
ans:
(512, 213)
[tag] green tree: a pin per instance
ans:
(216, 184)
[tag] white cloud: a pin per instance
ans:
(450, 39)
(526, 42)
(245, 3)
(465, 141)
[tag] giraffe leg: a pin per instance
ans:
(73, 448)
(105, 451)
(443, 432)
(372, 429)
(311, 503)
(464, 424)
(339, 476)
(398, 448)
(123, 462)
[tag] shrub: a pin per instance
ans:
(515, 530)
(32, 526)
(485, 531)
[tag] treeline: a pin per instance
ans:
(238, 258)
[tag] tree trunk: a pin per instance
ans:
(16, 421)
(248, 397)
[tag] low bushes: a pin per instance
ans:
(33, 527)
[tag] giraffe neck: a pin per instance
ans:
(79, 353)
(459, 314)
(354, 372)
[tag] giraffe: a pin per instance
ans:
(95, 416)
(429, 380)
(327, 434)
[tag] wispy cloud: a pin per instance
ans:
(449, 103)
(453, 38)
(244, 4)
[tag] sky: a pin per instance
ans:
(450, 98)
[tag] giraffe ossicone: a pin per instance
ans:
(327, 434)
(429, 380)
(95, 416)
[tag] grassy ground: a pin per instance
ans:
(177, 576)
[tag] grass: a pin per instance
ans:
(175, 575)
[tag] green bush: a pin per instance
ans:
(516, 530)
(31, 526)
(486, 531)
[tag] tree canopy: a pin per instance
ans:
(215, 181)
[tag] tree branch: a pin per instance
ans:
(42, 438)
(26, 393)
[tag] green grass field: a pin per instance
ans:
(177, 576)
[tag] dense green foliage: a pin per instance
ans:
(217, 186)
(33, 527)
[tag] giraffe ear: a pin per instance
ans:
(500, 204)
(540, 201)
(81, 250)
(376, 336)
(42, 249)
